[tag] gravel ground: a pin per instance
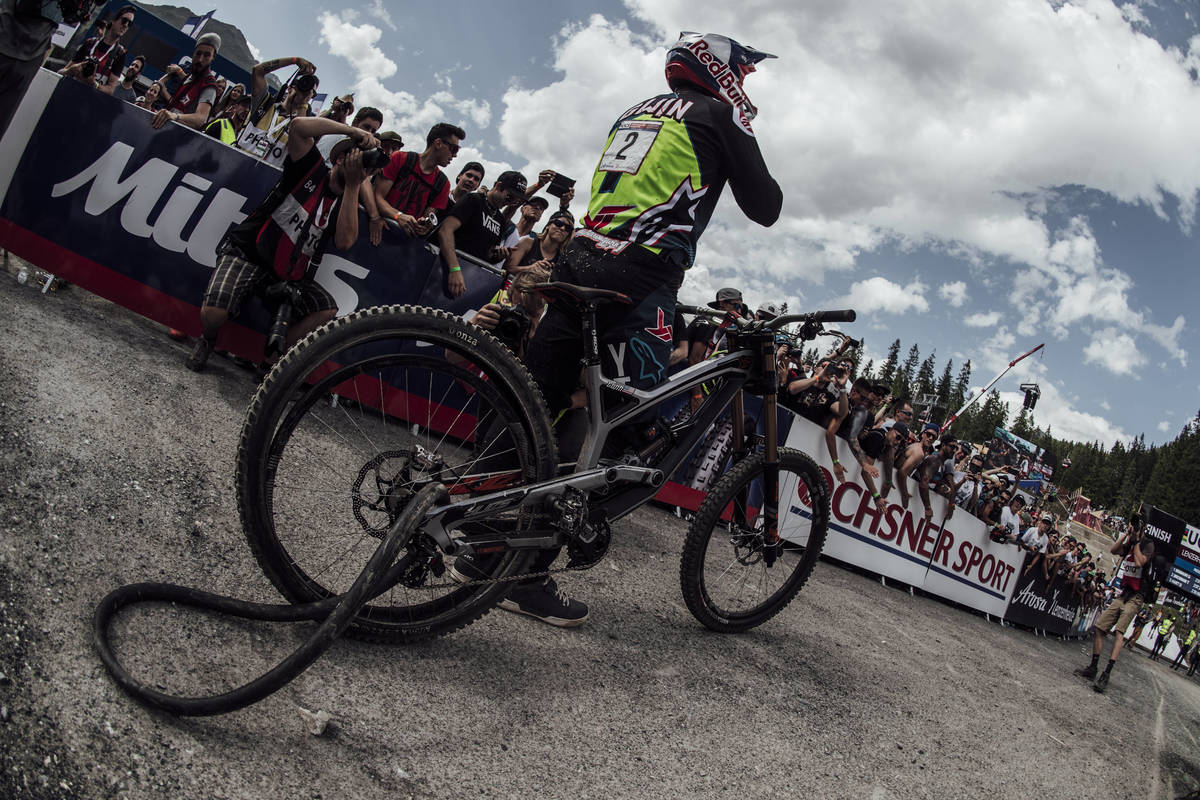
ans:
(117, 467)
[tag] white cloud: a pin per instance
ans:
(255, 53)
(358, 44)
(878, 294)
(954, 293)
(380, 13)
(1105, 405)
(943, 124)
(1115, 351)
(1164, 426)
(983, 319)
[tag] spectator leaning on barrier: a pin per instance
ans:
(930, 469)
(531, 213)
(229, 122)
(544, 250)
(474, 226)
(124, 89)
(190, 104)
(1136, 551)
(412, 184)
(311, 208)
(104, 52)
(851, 422)
(265, 135)
(879, 444)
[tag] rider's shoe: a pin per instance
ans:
(547, 602)
(465, 570)
(1101, 683)
(200, 354)
(1088, 672)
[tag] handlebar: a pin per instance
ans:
(815, 317)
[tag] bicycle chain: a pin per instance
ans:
(487, 581)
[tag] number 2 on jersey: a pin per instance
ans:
(630, 144)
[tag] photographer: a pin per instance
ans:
(515, 316)
(265, 135)
(311, 208)
(104, 53)
(1136, 551)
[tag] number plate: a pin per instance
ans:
(629, 147)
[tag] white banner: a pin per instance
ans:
(952, 558)
(63, 35)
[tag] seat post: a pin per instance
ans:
(591, 341)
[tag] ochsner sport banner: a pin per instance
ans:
(134, 214)
(950, 557)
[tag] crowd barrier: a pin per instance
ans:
(93, 194)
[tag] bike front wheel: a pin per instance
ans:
(351, 424)
(735, 575)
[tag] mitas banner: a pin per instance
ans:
(135, 214)
(950, 556)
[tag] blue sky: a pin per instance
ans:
(975, 177)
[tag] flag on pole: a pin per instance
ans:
(193, 25)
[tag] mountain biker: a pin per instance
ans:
(664, 165)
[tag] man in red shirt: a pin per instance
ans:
(412, 184)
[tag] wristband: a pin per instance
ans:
(397, 217)
(456, 269)
(835, 462)
(295, 59)
(875, 496)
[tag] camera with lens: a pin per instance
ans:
(514, 325)
(87, 69)
(374, 159)
(305, 83)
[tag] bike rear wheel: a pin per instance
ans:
(732, 578)
(355, 420)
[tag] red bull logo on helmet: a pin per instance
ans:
(721, 72)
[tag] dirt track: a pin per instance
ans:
(117, 467)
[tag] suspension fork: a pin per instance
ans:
(770, 508)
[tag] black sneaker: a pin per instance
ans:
(547, 602)
(465, 570)
(1088, 672)
(200, 354)
(1101, 683)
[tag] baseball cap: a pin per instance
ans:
(391, 136)
(539, 201)
(900, 428)
(931, 426)
(769, 309)
(726, 294)
(1048, 518)
(512, 181)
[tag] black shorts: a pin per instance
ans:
(236, 277)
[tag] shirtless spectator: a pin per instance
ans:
(413, 184)
(266, 132)
(878, 445)
(931, 467)
(851, 422)
(192, 102)
(104, 52)
(914, 454)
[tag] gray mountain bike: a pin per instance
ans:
(373, 408)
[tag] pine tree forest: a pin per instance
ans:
(1117, 478)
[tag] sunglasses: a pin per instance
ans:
(904, 413)
(453, 148)
(562, 223)
(127, 21)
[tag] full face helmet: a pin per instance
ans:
(714, 64)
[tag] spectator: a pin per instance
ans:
(151, 98)
(705, 337)
(818, 398)
(261, 251)
(222, 86)
(1139, 623)
(880, 443)
(470, 178)
(390, 142)
(25, 32)
(104, 52)
(1037, 538)
(545, 250)
(124, 89)
(1164, 636)
(474, 225)
(851, 421)
(368, 119)
(190, 104)
(413, 184)
(229, 123)
(518, 294)
(531, 213)
(1185, 643)
(265, 135)
(930, 468)
(224, 101)
(342, 107)
(1136, 550)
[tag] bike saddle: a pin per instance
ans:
(579, 295)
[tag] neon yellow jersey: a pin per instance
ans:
(664, 166)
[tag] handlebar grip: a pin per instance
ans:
(847, 315)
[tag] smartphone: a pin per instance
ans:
(559, 186)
